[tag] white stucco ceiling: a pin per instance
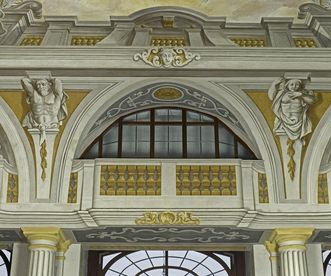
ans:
(234, 10)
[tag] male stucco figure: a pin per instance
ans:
(290, 103)
(48, 104)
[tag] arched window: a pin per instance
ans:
(5, 262)
(168, 133)
(327, 262)
(166, 263)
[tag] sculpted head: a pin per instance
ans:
(43, 87)
(294, 85)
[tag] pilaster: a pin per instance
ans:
(278, 31)
(58, 30)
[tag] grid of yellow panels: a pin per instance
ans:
(130, 180)
(205, 180)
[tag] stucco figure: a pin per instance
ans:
(290, 103)
(47, 101)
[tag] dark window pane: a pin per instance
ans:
(168, 115)
(225, 136)
(136, 141)
(138, 117)
(110, 150)
(168, 141)
(129, 133)
(111, 135)
(243, 152)
(226, 150)
(93, 152)
(197, 117)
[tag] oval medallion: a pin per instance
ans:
(167, 94)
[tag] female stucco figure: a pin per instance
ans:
(290, 103)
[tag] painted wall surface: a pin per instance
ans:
(243, 10)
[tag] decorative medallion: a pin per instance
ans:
(167, 218)
(167, 94)
(166, 57)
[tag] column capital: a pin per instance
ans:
(290, 237)
(51, 237)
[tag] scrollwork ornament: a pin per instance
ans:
(166, 57)
(167, 218)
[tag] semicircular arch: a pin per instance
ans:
(233, 98)
(21, 149)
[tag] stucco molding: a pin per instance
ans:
(22, 151)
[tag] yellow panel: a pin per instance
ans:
(323, 192)
(132, 180)
(34, 40)
(305, 43)
(73, 185)
(206, 180)
(86, 40)
(250, 42)
(12, 188)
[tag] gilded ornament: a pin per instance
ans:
(12, 188)
(249, 42)
(167, 94)
(164, 57)
(86, 40)
(305, 43)
(291, 163)
(263, 188)
(168, 218)
(323, 192)
(206, 180)
(32, 40)
(43, 164)
(168, 41)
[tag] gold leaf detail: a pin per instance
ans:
(86, 40)
(323, 191)
(249, 42)
(168, 41)
(305, 43)
(263, 188)
(168, 218)
(12, 188)
(32, 41)
(290, 153)
(43, 163)
(73, 184)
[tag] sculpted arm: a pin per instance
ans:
(273, 90)
(309, 97)
(58, 90)
(28, 87)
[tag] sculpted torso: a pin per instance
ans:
(45, 108)
(47, 101)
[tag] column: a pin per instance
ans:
(44, 242)
(290, 243)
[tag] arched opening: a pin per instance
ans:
(168, 132)
(166, 263)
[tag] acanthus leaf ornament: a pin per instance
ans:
(166, 57)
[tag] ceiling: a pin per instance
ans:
(242, 10)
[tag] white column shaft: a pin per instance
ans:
(41, 262)
(293, 262)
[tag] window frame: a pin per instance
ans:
(153, 123)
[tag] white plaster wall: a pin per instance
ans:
(314, 260)
(262, 265)
(20, 260)
(72, 261)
